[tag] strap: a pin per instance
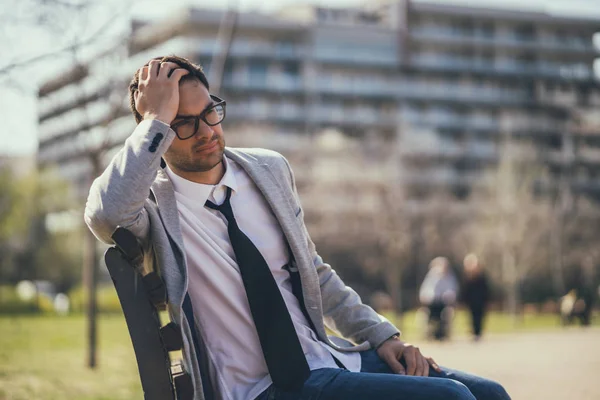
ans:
(171, 337)
(157, 292)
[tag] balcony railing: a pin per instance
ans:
(441, 121)
(269, 83)
(501, 67)
(362, 56)
(483, 38)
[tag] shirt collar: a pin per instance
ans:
(200, 191)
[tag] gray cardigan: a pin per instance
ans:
(135, 193)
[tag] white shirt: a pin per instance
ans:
(215, 285)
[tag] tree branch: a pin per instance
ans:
(97, 35)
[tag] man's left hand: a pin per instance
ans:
(393, 349)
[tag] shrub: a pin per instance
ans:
(108, 301)
(10, 303)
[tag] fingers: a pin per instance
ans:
(178, 73)
(433, 364)
(153, 68)
(420, 364)
(157, 95)
(416, 363)
(171, 71)
(411, 360)
(143, 73)
(166, 68)
(395, 365)
(164, 71)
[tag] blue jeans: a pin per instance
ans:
(376, 381)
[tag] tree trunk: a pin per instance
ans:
(511, 283)
(557, 261)
(393, 283)
(90, 274)
(91, 278)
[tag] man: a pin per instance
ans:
(225, 229)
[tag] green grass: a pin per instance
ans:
(495, 323)
(43, 357)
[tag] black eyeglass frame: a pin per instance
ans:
(217, 102)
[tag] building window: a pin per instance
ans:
(463, 27)
(228, 72)
(525, 32)
(561, 37)
(257, 72)
(291, 69)
(487, 29)
(285, 48)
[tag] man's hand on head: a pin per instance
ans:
(157, 96)
(393, 350)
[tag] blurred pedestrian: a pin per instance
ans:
(579, 302)
(586, 289)
(475, 293)
(439, 293)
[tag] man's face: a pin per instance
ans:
(203, 151)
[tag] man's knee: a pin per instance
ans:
(489, 390)
(457, 391)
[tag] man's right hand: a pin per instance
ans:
(157, 96)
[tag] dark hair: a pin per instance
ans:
(195, 72)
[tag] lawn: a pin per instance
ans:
(496, 323)
(43, 357)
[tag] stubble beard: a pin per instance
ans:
(192, 163)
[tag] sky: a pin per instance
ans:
(21, 38)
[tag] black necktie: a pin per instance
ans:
(280, 344)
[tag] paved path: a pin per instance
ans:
(557, 365)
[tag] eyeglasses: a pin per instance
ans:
(188, 125)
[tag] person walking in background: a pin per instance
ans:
(586, 290)
(475, 293)
(578, 303)
(438, 293)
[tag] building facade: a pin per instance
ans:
(448, 84)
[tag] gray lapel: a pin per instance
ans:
(167, 208)
(283, 208)
(272, 191)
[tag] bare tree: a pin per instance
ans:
(67, 27)
(510, 227)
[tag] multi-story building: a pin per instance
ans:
(449, 82)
